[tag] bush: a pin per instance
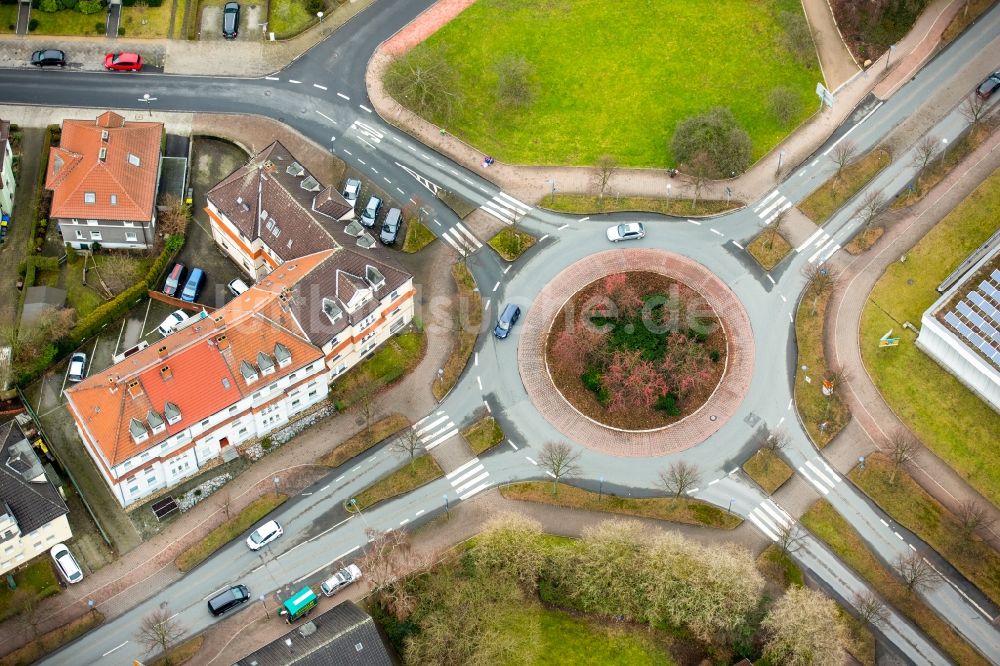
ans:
(95, 247)
(48, 6)
(714, 355)
(90, 7)
(68, 4)
(32, 25)
(797, 38)
(99, 28)
(668, 403)
(121, 31)
(154, 3)
(70, 253)
(713, 143)
(46, 263)
(128, 3)
(785, 105)
(313, 6)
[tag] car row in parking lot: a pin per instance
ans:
(393, 219)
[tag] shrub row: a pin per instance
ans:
(104, 313)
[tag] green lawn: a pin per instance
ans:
(287, 18)
(143, 21)
(511, 243)
(586, 204)
(362, 440)
(814, 407)
(465, 337)
(767, 251)
(768, 470)
(418, 236)
(38, 579)
(483, 434)
(832, 194)
(393, 359)
(229, 530)
(423, 470)
(8, 18)
(69, 22)
(51, 641)
(617, 77)
(947, 417)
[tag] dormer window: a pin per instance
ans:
(138, 431)
(332, 310)
(156, 423)
(248, 371)
(172, 412)
(374, 277)
(104, 135)
(265, 363)
(102, 154)
(89, 197)
(133, 159)
(282, 354)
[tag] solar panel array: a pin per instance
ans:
(977, 318)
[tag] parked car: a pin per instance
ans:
(77, 367)
(630, 231)
(48, 58)
(371, 210)
(231, 20)
(193, 286)
(174, 280)
(989, 86)
(237, 287)
(123, 62)
(66, 564)
(352, 190)
(264, 535)
(227, 600)
(171, 322)
(350, 574)
(390, 226)
(507, 320)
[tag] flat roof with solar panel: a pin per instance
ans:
(973, 312)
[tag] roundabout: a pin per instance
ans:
(703, 420)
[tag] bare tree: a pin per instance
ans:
(173, 215)
(974, 109)
(784, 103)
(842, 155)
(700, 169)
(365, 396)
(425, 81)
(559, 460)
(973, 517)
(902, 447)
(925, 151)
(871, 609)
(773, 227)
(917, 574)
(389, 558)
(802, 629)
(606, 168)
(790, 539)
(226, 503)
(26, 605)
(776, 440)
(118, 271)
(159, 630)
(820, 280)
(408, 443)
(515, 88)
(680, 477)
(871, 205)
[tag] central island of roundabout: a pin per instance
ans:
(637, 352)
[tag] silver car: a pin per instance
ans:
(630, 231)
(371, 210)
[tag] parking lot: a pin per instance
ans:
(368, 190)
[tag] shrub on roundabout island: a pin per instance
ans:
(636, 350)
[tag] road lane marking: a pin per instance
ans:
(480, 382)
(562, 227)
(475, 360)
(488, 408)
(272, 78)
(342, 95)
(420, 513)
(737, 245)
(771, 278)
(507, 269)
(713, 482)
(809, 240)
(512, 445)
(115, 648)
(531, 461)
(404, 521)
(316, 85)
(496, 286)
(583, 219)
(844, 136)
(457, 470)
(293, 81)
(543, 238)
(764, 201)
(330, 119)
(716, 231)
(365, 108)
(695, 223)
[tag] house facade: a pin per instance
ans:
(186, 402)
(33, 515)
(272, 210)
(104, 176)
(7, 184)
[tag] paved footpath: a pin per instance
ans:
(873, 420)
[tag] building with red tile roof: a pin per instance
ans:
(250, 367)
(104, 176)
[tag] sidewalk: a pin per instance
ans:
(530, 184)
(874, 418)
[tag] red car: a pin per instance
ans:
(123, 62)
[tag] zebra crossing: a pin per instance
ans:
(468, 479)
(771, 519)
(506, 208)
(820, 475)
(824, 244)
(771, 206)
(367, 132)
(434, 429)
(461, 239)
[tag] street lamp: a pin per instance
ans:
(729, 193)
(944, 151)
(552, 192)
(781, 156)
(354, 503)
(446, 510)
(888, 54)
(600, 492)
(670, 193)
(861, 462)
(264, 604)
(149, 102)
(320, 15)
(730, 509)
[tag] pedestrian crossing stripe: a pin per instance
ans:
(434, 429)
(820, 475)
(468, 479)
(461, 239)
(506, 208)
(771, 519)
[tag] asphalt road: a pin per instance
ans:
(322, 95)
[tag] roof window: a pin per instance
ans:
(89, 197)
(133, 159)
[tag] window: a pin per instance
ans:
(256, 395)
(133, 159)
(131, 237)
(95, 235)
(114, 199)
(242, 432)
(312, 394)
(79, 234)
(232, 409)
(393, 295)
(205, 422)
(89, 197)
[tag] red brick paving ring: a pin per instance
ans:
(673, 438)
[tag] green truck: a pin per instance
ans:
(298, 605)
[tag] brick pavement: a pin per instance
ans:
(873, 415)
(679, 436)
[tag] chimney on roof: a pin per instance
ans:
(162, 351)
(112, 384)
(222, 341)
(166, 373)
(134, 388)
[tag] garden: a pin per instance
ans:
(516, 79)
(636, 350)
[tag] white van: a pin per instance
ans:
(341, 579)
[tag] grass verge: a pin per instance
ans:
(457, 203)
(391, 361)
(768, 470)
(680, 510)
(483, 435)
(51, 641)
(180, 654)
(511, 243)
(969, 13)
(947, 417)
(834, 193)
(913, 508)
(767, 250)
(362, 440)
(824, 521)
(423, 470)
(864, 239)
(69, 22)
(227, 531)
(418, 236)
(146, 22)
(814, 407)
(942, 165)
(469, 319)
(586, 204)
(287, 18)
(38, 580)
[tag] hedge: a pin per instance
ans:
(104, 313)
(52, 134)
